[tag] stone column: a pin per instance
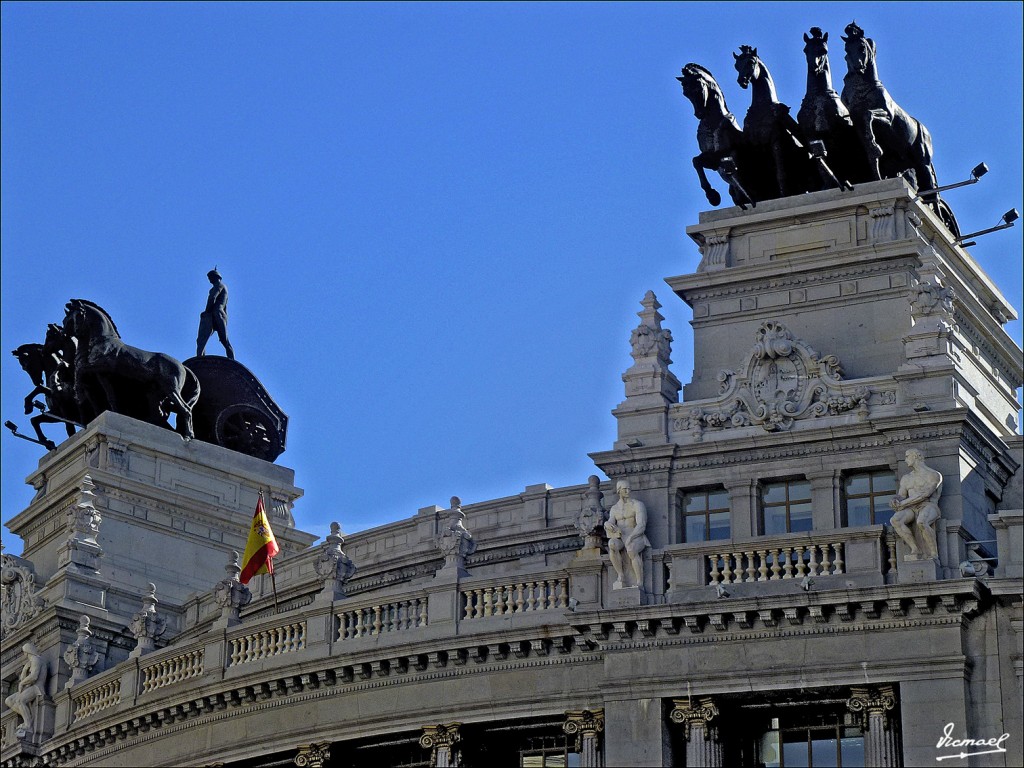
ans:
(703, 749)
(313, 755)
(825, 499)
(743, 507)
(441, 741)
(874, 704)
(586, 725)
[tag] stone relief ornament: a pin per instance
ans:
(930, 299)
(81, 656)
(18, 599)
(333, 563)
(782, 380)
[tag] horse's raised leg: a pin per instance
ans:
(699, 163)
(866, 134)
(38, 421)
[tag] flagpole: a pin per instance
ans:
(270, 561)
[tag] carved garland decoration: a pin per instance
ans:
(783, 379)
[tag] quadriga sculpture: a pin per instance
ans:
(50, 366)
(111, 375)
(719, 137)
(775, 162)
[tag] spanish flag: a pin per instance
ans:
(261, 546)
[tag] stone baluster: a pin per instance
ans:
(146, 626)
(703, 749)
(442, 741)
(80, 655)
(313, 755)
(874, 704)
(586, 725)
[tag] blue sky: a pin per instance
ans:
(436, 221)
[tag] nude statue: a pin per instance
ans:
(215, 316)
(915, 504)
(30, 684)
(627, 522)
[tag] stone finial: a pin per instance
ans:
(454, 541)
(230, 593)
(333, 566)
(590, 520)
(441, 740)
(80, 655)
(313, 755)
(145, 625)
(31, 684)
(651, 352)
(82, 551)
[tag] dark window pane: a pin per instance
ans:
(774, 520)
(799, 490)
(719, 526)
(774, 493)
(768, 752)
(718, 500)
(794, 749)
(884, 481)
(695, 528)
(851, 752)
(695, 502)
(824, 751)
(800, 518)
(858, 484)
(858, 512)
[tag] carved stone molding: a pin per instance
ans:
(782, 379)
(313, 755)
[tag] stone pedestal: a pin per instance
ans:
(918, 571)
(625, 597)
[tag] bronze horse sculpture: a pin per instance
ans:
(49, 365)
(111, 375)
(719, 137)
(776, 162)
(895, 143)
(823, 116)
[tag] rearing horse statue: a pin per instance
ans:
(719, 137)
(894, 141)
(111, 375)
(776, 159)
(823, 116)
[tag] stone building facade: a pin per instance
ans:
(847, 351)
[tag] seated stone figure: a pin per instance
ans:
(627, 522)
(30, 688)
(917, 509)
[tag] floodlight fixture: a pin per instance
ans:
(1006, 221)
(976, 173)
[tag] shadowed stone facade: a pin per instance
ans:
(777, 610)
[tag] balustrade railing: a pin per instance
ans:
(173, 670)
(272, 641)
(96, 699)
(395, 616)
(515, 597)
(771, 563)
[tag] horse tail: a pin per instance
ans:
(190, 389)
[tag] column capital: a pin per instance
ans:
(313, 755)
(689, 712)
(441, 740)
(873, 701)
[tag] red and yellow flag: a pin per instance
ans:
(261, 546)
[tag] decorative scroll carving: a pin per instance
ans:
(18, 599)
(313, 755)
(441, 741)
(145, 625)
(688, 713)
(584, 725)
(782, 380)
(333, 566)
(81, 656)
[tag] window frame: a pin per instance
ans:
(706, 491)
(871, 495)
(788, 482)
